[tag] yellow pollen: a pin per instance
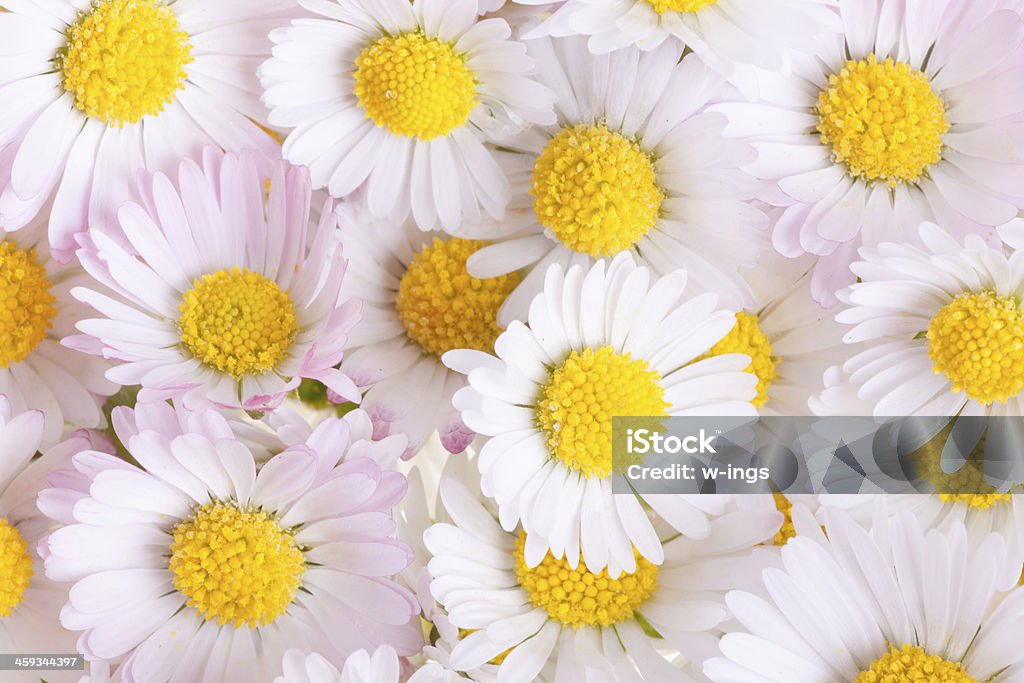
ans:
(978, 501)
(967, 485)
(414, 85)
(662, 6)
(576, 406)
(787, 530)
(15, 568)
(237, 322)
(882, 121)
(442, 307)
(125, 59)
(235, 567)
(579, 597)
(595, 190)
(747, 337)
(910, 664)
(977, 340)
(26, 303)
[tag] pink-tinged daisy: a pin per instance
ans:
(563, 622)
(723, 33)
(633, 165)
(198, 565)
(107, 87)
(227, 293)
(37, 311)
(402, 97)
(419, 302)
(933, 330)
(897, 603)
(287, 427)
(913, 115)
(608, 341)
(30, 603)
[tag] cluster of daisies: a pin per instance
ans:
(314, 316)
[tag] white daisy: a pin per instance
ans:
(790, 338)
(418, 303)
(228, 293)
(943, 326)
(1012, 233)
(402, 97)
(633, 164)
(37, 311)
(980, 514)
(107, 87)
(602, 342)
(895, 604)
(912, 116)
(29, 602)
(161, 578)
(382, 666)
(419, 510)
(562, 622)
(723, 33)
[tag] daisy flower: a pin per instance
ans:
(723, 33)
(161, 577)
(790, 339)
(602, 342)
(382, 666)
(108, 87)
(911, 117)
(29, 602)
(923, 312)
(893, 604)
(560, 621)
(632, 165)
(292, 424)
(419, 302)
(401, 97)
(226, 293)
(37, 311)
(979, 514)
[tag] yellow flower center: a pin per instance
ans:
(442, 307)
(910, 663)
(595, 190)
(967, 485)
(979, 501)
(662, 6)
(237, 322)
(787, 530)
(579, 597)
(125, 59)
(15, 568)
(747, 337)
(414, 85)
(882, 121)
(26, 303)
(236, 567)
(977, 340)
(577, 404)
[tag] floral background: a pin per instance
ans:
(314, 315)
